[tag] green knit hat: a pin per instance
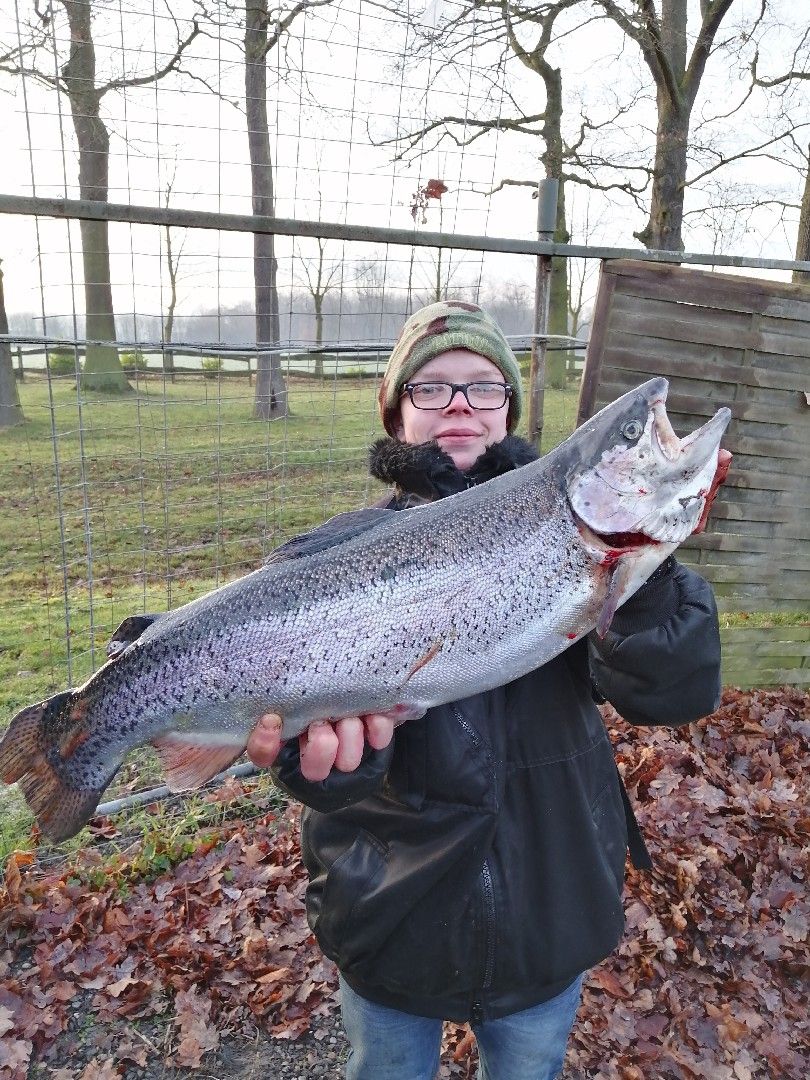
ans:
(436, 328)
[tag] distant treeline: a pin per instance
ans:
(362, 315)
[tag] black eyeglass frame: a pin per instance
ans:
(409, 388)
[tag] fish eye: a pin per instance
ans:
(632, 430)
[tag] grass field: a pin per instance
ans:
(114, 506)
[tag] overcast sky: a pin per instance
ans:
(355, 92)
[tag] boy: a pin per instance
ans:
(469, 865)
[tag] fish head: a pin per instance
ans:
(636, 482)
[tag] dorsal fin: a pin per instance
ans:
(130, 630)
(335, 531)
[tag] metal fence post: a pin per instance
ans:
(547, 191)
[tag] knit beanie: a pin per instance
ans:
(450, 324)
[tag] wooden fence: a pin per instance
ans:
(743, 342)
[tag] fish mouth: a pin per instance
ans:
(614, 543)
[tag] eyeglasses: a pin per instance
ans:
(438, 395)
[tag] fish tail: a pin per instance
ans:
(35, 753)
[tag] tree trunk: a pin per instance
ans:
(556, 360)
(317, 300)
(802, 277)
(677, 83)
(168, 325)
(271, 399)
(102, 366)
(10, 410)
(664, 226)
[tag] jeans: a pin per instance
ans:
(390, 1045)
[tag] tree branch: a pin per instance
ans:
(714, 11)
(155, 76)
(751, 152)
(647, 35)
(282, 25)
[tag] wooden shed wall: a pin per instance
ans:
(722, 340)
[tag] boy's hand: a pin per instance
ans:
(324, 745)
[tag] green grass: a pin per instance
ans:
(115, 506)
(110, 506)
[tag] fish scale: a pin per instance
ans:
(380, 611)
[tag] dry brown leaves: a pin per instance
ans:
(710, 981)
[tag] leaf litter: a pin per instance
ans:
(207, 965)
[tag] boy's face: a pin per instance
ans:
(461, 431)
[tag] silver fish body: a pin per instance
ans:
(382, 611)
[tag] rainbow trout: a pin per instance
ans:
(381, 611)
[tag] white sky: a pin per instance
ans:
(326, 165)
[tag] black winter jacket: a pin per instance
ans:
(475, 867)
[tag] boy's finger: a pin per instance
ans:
(351, 737)
(264, 743)
(379, 730)
(318, 749)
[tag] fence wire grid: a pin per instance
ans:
(140, 501)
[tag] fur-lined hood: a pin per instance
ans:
(424, 473)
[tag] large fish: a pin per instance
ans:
(381, 611)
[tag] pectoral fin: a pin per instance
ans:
(622, 574)
(188, 762)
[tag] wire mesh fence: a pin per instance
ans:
(141, 500)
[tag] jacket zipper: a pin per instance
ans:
(488, 891)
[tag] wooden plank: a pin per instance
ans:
(595, 352)
(784, 344)
(737, 292)
(790, 527)
(795, 586)
(773, 655)
(758, 633)
(763, 677)
(711, 357)
(736, 542)
(733, 605)
(758, 596)
(702, 326)
(722, 563)
(787, 564)
(797, 650)
(790, 413)
(757, 478)
(778, 449)
(744, 574)
(782, 583)
(733, 363)
(639, 354)
(652, 310)
(739, 512)
(786, 362)
(787, 532)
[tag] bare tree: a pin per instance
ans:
(663, 40)
(783, 85)
(320, 276)
(525, 33)
(10, 409)
(76, 79)
(173, 257)
(263, 33)
(802, 253)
